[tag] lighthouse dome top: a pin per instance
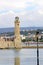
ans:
(17, 18)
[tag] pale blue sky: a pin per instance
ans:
(30, 12)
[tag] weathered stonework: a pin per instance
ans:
(6, 44)
(17, 40)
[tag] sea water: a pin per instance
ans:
(26, 56)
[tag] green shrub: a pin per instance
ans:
(24, 40)
(41, 40)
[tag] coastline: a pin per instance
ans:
(24, 47)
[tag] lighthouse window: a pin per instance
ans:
(17, 24)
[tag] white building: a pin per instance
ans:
(22, 37)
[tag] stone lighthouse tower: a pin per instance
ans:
(17, 40)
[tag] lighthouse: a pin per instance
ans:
(17, 39)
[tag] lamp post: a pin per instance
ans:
(37, 48)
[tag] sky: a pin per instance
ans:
(30, 13)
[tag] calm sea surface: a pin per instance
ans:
(23, 56)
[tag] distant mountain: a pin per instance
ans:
(4, 30)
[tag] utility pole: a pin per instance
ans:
(37, 48)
